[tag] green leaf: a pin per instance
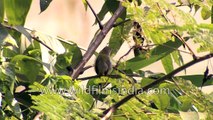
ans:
(72, 54)
(77, 55)
(115, 41)
(197, 7)
(109, 6)
(177, 58)
(62, 61)
(1, 11)
(64, 82)
(53, 105)
(94, 88)
(27, 66)
(8, 53)
(167, 86)
(85, 98)
(167, 63)
(146, 81)
(24, 57)
(197, 80)
(186, 103)
(44, 4)
(205, 12)
(161, 100)
(119, 34)
(174, 103)
(156, 54)
(16, 11)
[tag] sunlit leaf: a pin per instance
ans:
(85, 98)
(186, 103)
(177, 58)
(167, 63)
(205, 12)
(53, 105)
(161, 100)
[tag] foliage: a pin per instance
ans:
(34, 76)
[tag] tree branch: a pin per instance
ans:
(110, 76)
(97, 41)
(107, 113)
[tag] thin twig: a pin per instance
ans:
(175, 33)
(123, 56)
(96, 16)
(162, 14)
(107, 113)
(38, 40)
(150, 45)
(32, 37)
(97, 41)
(58, 38)
(122, 22)
(184, 42)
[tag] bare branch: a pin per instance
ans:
(107, 113)
(97, 41)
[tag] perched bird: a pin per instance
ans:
(103, 65)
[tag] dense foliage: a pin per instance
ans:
(35, 80)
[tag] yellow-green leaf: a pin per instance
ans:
(16, 11)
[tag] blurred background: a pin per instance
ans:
(69, 19)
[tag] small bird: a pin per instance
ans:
(103, 65)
